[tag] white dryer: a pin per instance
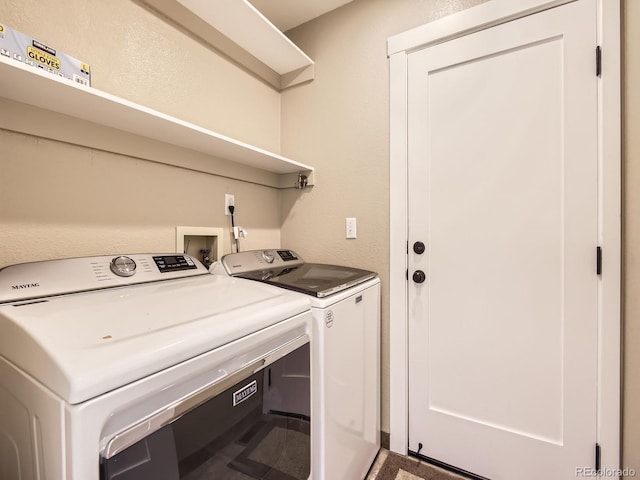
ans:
(147, 366)
(345, 348)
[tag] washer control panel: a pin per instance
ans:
(255, 260)
(268, 256)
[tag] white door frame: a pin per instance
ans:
(468, 21)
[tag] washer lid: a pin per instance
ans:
(85, 344)
(315, 279)
(285, 269)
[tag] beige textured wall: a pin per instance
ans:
(631, 249)
(60, 200)
(339, 123)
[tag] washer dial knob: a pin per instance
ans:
(268, 256)
(123, 266)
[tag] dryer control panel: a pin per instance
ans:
(26, 281)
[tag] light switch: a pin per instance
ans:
(351, 228)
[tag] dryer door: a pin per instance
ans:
(256, 421)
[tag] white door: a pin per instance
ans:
(502, 146)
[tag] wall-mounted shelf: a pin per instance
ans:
(238, 30)
(36, 102)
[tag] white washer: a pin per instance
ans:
(146, 366)
(345, 354)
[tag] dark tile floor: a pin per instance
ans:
(405, 475)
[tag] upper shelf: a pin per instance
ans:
(32, 86)
(238, 30)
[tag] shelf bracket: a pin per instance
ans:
(299, 181)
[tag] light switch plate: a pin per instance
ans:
(351, 228)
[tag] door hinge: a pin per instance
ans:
(598, 61)
(598, 453)
(598, 260)
(407, 274)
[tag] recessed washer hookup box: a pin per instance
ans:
(23, 48)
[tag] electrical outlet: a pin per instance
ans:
(229, 200)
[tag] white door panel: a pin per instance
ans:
(503, 192)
